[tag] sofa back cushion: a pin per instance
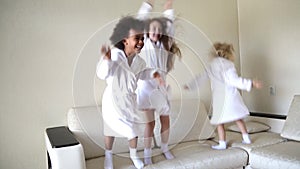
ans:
(86, 124)
(291, 128)
(189, 122)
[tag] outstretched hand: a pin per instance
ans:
(105, 51)
(257, 84)
(168, 4)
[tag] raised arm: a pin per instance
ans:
(105, 65)
(169, 11)
(197, 81)
(145, 9)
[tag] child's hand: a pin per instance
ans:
(157, 76)
(168, 4)
(257, 84)
(105, 51)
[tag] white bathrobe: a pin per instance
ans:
(150, 94)
(227, 103)
(119, 109)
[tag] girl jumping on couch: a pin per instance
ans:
(121, 66)
(227, 103)
(159, 53)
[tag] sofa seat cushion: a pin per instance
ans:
(193, 154)
(234, 139)
(197, 154)
(276, 156)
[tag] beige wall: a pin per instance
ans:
(40, 45)
(269, 45)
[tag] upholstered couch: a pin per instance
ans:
(79, 145)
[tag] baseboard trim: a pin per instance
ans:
(273, 116)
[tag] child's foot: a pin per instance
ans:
(220, 146)
(246, 139)
(169, 155)
(164, 148)
(108, 161)
(137, 162)
(147, 156)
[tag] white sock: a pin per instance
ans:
(147, 156)
(136, 161)
(246, 138)
(108, 161)
(220, 146)
(164, 148)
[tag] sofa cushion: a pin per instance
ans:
(291, 128)
(252, 127)
(188, 155)
(87, 126)
(189, 122)
(261, 139)
(276, 156)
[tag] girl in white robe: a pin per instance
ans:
(227, 103)
(121, 67)
(158, 53)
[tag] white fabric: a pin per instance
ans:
(150, 93)
(227, 102)
(291, 128)
(119, 99)
(277, 156)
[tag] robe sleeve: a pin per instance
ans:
(143, 13)
(105, 69)
(231, 78)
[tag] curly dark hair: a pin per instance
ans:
(122, 29)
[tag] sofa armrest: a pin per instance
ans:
(64, 151)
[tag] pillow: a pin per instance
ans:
(291, 128)
(252, 127)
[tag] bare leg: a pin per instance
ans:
(108, 161)
(148, 136)
(246, 139)
(240, 123)
(165, 132)
(149, 128)
(221, 132)
(165, 125)
(109, 141)
(222, 137)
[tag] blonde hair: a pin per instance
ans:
(224, 50)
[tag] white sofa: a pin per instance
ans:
(190, 140)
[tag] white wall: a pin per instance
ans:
(269, 45)
(39, 48)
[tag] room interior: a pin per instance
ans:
(44, 66)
